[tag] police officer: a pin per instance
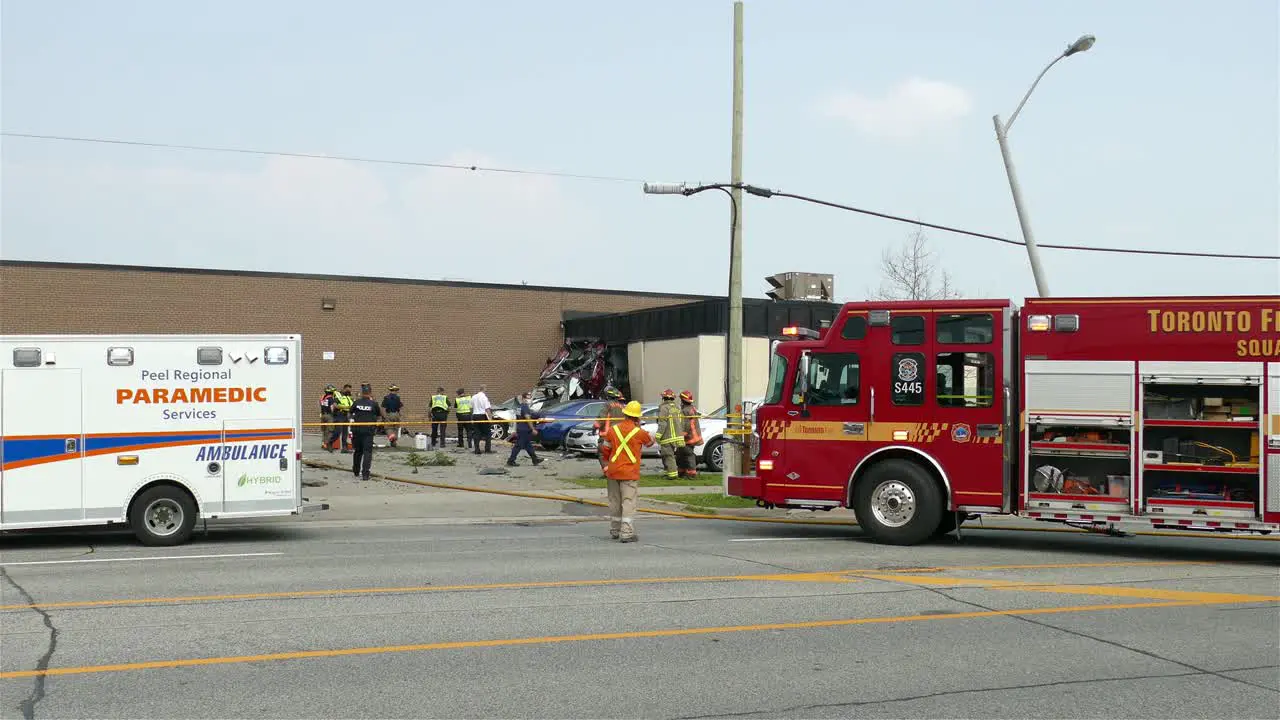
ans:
(342, 402)
(364, 412)
(439, 417)
(391, 406)
(462, 412)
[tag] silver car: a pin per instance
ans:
(583, 439)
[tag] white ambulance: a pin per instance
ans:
(152, 431)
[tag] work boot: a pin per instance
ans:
(539, 461)
(512, 464)
(614, 531)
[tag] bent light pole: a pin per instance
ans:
(1002, 136)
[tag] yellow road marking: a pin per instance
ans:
(511, 642)
(830, 576)
(1058, 588)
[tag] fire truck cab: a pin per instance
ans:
(1096, 412)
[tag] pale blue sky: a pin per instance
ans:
(1164, 135)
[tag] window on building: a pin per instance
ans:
(966, 380)
(855, 328)
(209, 356)
(966, 328)
(834, 379)
(907, 329)
(908, 379)
(26, 357)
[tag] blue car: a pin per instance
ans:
(564, 416)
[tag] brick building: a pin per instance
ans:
(418, 334)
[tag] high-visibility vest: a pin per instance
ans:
(439, 402)
(624, 461)
(344, 402)
(464, 405)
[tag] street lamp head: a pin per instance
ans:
(1084, 43)
(664, 188)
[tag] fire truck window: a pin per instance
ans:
(966, 329)
(908, 379)
(777, 378)
(966, 380)
(855, 328)
(833, 379)
(907, 330)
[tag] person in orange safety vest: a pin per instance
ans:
(623, 445)
(686, 457)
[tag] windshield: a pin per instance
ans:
(777, 378)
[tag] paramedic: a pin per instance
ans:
(341, 416)
(364, 412)
(391, 406)
(439, 417)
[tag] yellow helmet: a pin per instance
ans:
(633, 410)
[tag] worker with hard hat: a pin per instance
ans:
(612, 414)
(686, 457)
(670, 432)
(391, 407)
(624, 445)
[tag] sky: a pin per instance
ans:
(1162, 136)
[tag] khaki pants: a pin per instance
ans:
(669, 465)
(393, 427)
(622, 506)
(326, 427)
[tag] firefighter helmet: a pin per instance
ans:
(330, 388)
(633, 410)
(613, 393)
(668, 394)
(686, 396)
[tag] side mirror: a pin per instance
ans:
(802, 383)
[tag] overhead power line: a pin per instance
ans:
(751, 189)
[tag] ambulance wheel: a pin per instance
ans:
(897, 503)
(163, 515)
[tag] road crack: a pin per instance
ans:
(28, 706)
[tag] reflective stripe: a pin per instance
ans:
(439, 402)
(464, 405)
(617, 431)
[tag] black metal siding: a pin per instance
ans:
(760, 318)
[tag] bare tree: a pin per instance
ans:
(911, 273)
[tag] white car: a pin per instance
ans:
(583, 439)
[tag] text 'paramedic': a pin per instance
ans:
(195, 395)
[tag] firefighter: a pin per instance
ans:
(462, 412)
(342, 402)
(365, 412)
(326, 416)
(440, 417)
(686, 457)
(670, 432)
(612, 414)
(622, 473)
(391, 406)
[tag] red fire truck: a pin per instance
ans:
(1095, 412)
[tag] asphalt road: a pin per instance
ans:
(364, 619)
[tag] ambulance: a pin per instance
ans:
(152, 432)
(1100, 413)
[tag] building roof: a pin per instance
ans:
(339, 278)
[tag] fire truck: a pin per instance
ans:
(1100, 413)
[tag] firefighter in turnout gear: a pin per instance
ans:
(670, 432)
(326, 416)
(612, 414)
(622, 473)
(439, 417)
(391, 407)
(686, 457)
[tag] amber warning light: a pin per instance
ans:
(799, 332)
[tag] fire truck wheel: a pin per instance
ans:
(163, 515)
(898, 503)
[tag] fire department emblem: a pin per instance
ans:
(961, 433)
(908, 369)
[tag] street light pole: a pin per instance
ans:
(1002, 136)
(731, 456)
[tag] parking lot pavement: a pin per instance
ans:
(698, 619)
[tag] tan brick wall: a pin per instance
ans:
(417, 335)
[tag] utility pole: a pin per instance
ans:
(733, 454)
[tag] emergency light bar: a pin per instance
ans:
(799, 332)
(1059, 323)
